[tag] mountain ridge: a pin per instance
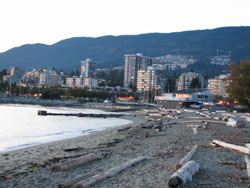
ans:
(109, 50)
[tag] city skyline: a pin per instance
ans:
(47, 22)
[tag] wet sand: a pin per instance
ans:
(219, 167)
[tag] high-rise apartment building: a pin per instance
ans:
(185, 79)
(134, 63)
(17, 72)
(146, 79)
(88, 68)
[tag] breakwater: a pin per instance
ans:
(37, 101)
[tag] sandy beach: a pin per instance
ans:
(164, 147)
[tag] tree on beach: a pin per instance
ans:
(239, 87)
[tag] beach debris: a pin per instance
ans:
(184, 174)
(76, 162)
(186, 158)
(235, 123)
(241, 149)
(111, 172)
(74, 149)
(124, 129)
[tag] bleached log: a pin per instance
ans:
(112, 172)
(184, 174)
(195, 130)
(187, 157)
(241, 149)
(213, 121)
(247, 165)
(76, 162)
(194, 126)
(190, 111)
(192, 121)
(195, 117)
(227, 114)
(155, 114)
(247, 162)
(235, 123)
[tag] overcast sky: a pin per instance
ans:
(49, 21)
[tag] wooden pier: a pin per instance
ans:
(45, 113)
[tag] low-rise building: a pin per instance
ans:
(185, 79)
(50, 78)
(179, 98)
(218, 85)
(81, 82)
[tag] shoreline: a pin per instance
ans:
(220, 167)
(79, 134)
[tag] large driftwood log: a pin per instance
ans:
(235, 123)
(76, 162)
(186, 158)
(192, 121)
(232, 146)
(112, 172)
(213, 121)
(181, 176)
(170, 122)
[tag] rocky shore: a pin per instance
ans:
(163, 136)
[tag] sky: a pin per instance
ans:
(49, 21)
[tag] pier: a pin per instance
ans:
(45, 113)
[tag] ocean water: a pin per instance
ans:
(20, 126)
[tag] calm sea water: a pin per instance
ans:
(20, 126)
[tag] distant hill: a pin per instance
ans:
(108, 51)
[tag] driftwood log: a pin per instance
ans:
(195, 130)
(186, 158)
(235, 123)
(247, 159)
(76, 162)
(194, 126)
(184, 174)
(112, 172)
(205, 124)
(170, 122)
(241, 149)
(71, 182)
(124, 129)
